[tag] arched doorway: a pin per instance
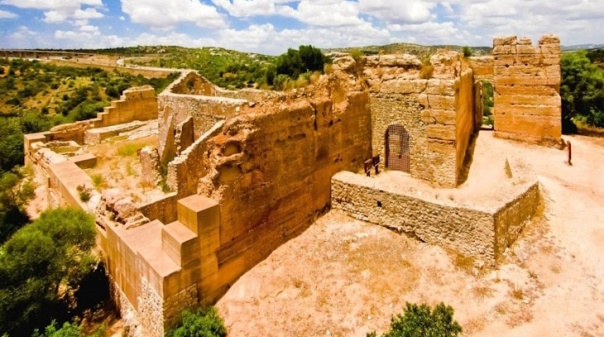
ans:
(398, 156)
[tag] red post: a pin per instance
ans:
(570, 153)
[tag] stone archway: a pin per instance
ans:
(398, 155)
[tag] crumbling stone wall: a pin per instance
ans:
(481, 232)
(482, 67)
(137, 103)
(527, 85)
(270, 169)
(205, 111)
(427, 105)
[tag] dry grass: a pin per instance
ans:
(482, 291)
(517, 293)
(465, 263)
(427, 72)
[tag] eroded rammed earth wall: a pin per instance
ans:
(527, 85)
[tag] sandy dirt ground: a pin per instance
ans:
(343, 277)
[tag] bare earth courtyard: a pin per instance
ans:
(344, 277)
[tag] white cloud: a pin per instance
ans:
(399, 12)
(7, 15)
(324, 13)
(168, 13)
(55, 16)
(87, 14)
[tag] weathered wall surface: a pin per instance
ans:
(271, 167)
(465, 119)
(185, 170)
(481, 233)
(426, 107)
(206, 112)
(138, 103)
(527, 85)
(191, 83)
(482, 67)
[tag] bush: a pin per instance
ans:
(201, 323)
(467, 51)
(422, 321)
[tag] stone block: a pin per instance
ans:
(180, 244)
(202, 216)
(442, 132)
(505, 41)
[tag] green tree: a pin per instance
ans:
(201, 323)
(16, 189)
(67, 330)
(41, 266)
(422, 321)
(467, 51)
(582, 91)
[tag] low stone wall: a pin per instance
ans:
(163, 209)
(480, 233)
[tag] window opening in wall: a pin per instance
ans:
(398, 156)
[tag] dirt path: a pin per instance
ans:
(343, 277)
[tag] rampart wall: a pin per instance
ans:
(527, 86)
(271, 167)
(480, 232)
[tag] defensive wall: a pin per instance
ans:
(251, 169)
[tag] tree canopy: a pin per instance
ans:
(41, 266)
(582, 90)
(423, 321)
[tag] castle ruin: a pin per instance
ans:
(249, 170)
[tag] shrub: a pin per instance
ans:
(201, 323)
(467, 51)
(422, 321)
(84, 193)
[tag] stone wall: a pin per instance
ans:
(480, 232)
(465, 119)
(427, 106)
(206, 111)
(482, 67)
(270, 169)
(527, 85)
(185, 170)
(136, 104)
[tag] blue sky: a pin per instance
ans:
(272, 26)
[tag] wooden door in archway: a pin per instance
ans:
(398, 156)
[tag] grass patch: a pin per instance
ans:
(98, 181)
(129, 149)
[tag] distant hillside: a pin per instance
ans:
(583, 46)
(408, 48)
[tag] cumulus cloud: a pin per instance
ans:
(324, 13)
(7, 15)
(167, 14)
(403, 12)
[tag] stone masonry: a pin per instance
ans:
(527, 85)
